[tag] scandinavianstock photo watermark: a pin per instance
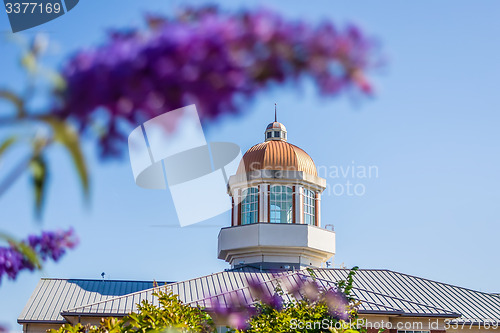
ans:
(348, 179)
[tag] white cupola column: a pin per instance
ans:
(236, 206)
(264, 202)
(299, 204)
(318, 209)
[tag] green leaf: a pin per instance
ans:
(57, 80)
(6, 144)
(29, 253)
(29, 62)
(38, 168)
(68, 137)
(14, 99)
(311, 273)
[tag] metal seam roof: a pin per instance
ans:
(404, 304)
(52, 296)
(431, 292)
(381, 291)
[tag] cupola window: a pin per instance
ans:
(249, 206)
(276, 134)
(281, 204)
(309, 207)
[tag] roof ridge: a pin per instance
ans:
(113, 280)
(274, 278)
(146, 290)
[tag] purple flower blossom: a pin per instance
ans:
(235, 313)
(216, 60)
(48, 245)
(309, 290)
(11, 262)
(259, 292)
(337, 304)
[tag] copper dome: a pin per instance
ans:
(277, 155)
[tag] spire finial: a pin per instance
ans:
(275, 113)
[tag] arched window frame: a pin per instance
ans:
(309, 207)
(284, 202)
(249, 205)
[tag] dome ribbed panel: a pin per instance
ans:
(280, 156)
(277, 155)
(253, 158)
(304, 161)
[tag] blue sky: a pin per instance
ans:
(431, 131)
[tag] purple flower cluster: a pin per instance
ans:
(53, 244)
(48, 245)
(237, 311)
(261, 293)
(337, 304)
(311, 291)
(206, 57)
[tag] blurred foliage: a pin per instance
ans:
(171, 315)
(300, 316)
(39, 130)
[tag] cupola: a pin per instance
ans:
(276, 215)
